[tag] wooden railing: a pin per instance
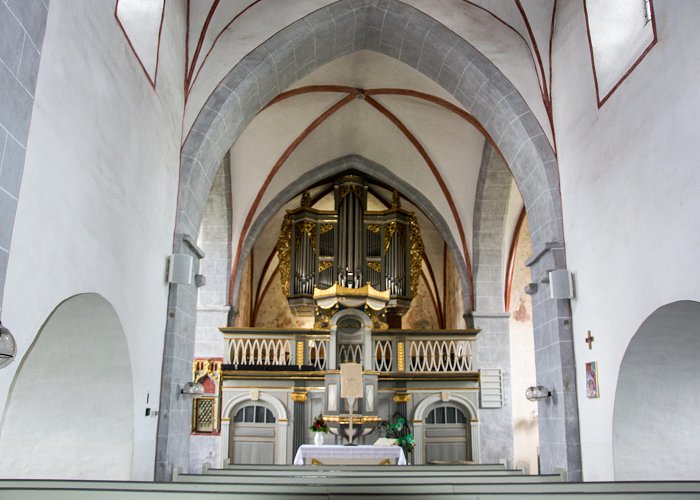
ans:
(392, 351)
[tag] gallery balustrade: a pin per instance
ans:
(392, 351)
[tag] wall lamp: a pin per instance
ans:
(8, 346)
(537, 392)
(192, 389)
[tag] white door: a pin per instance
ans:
(447, 435)
(252, 435)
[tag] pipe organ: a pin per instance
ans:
(349, 249)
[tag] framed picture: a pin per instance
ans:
(592, 389)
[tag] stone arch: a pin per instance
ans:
(420, 413)
(60, 419)
(400, 31)
(370, 169)
(658, 375)
(281, 424)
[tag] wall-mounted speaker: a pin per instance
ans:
(180, 268)
(561, 285)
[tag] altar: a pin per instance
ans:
(349, 455)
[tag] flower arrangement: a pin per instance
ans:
(319, 425)
(402, 433)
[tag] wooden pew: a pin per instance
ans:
(123, 490)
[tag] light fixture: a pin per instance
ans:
(537, 392)
(8, 347)
(192, 389)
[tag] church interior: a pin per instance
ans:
(223, 219)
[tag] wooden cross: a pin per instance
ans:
(589, 340)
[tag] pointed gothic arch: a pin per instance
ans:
(486, 95)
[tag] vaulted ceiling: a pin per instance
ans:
(366, 103)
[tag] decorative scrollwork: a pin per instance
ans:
(309, 228)
(355, 189)
(284, 252)
(417, 249)
(395, 200)
(375, 228)
(325, 264)
(375, 266)
(389, 230)
(325, 228)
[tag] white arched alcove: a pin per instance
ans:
(421, 412)
(282, 423)
(70, 411)
(657, 401)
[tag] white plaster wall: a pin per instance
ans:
(97, 202)
(60, 422)
(630, 189)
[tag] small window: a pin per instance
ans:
(647, 10)
(254, 414)
(446, 415)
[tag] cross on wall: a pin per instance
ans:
(589, 340)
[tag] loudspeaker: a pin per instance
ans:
(180, 269)
(561, 284)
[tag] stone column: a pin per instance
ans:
(560, 442)
(299, 397)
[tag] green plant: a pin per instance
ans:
(400, 431)
(319, 425)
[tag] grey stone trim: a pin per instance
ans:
(556, 369)
(22, 27)
(370, 169)
(493, 348)
(187, 240)
(395, 29)
(478, 314)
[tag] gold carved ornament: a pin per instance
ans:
(324, 264)
(389, 230)
(375, 266)
(375, 228)
(417, 250)
(355, 189)
(309, 228)
(325, 228)
(284, 252)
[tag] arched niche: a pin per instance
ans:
(657, 406)
(70, 411)
(281, 421)
(421, 412)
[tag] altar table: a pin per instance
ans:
(355, 455)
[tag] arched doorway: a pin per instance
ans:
(252, 434)
(70, 412)
(657, 407)
(447, 434)
(255, 429)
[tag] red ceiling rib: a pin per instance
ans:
(191, 79)
(510, 270)
(200, 42)
(436, 173)
(436, 299)
(283, 158)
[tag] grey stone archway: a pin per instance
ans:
(370, 169)
(400, 31)
(490, 209)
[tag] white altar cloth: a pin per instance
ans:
(357, 455)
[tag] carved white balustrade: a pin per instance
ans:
(383, 355)
(444, 355)
(260, 351)
(391, 351)
(318, 353)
